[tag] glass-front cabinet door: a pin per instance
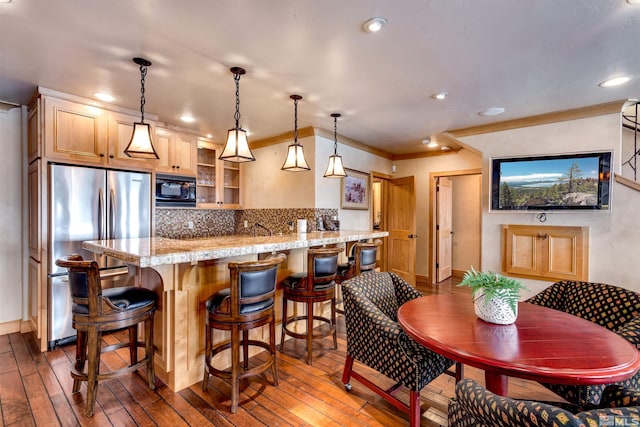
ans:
(218, 182)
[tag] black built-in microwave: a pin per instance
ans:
(175, 191)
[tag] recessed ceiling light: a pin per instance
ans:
(187, 118)
(103, 96)
(440, 95)
(616, 81)
(493, 111)
(374, 25)
(633, 1)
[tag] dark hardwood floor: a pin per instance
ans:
(35, 390)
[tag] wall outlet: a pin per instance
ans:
(246, 224)
(190, 225)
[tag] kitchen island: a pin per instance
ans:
(185, 272)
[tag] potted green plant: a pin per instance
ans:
(495, 297)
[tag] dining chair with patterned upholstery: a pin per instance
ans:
(609, 306)
(473, 405)
(375, 339)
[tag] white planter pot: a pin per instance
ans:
(495, 310)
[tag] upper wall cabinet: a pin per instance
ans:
(218, 182)
(74, 131)
(177, 151)
(84, 134)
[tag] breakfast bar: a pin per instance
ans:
(185, 272)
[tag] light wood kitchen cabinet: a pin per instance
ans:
(219, 183)
(34, 128)
(37, 305)
(74, 132)
(85, 134)
(177, 151)
(119, 134)
(546, 252)
(35, 217)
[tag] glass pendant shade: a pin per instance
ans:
(335, 169)
(295, 161)
(141, 145)
(237, 148)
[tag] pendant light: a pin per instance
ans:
(141, 145)
(295, 161)
(237, 148)
(335, 168)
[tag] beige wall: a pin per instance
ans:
(614, 236)
(11, 246)
(467, 208)
(421, 168)
(269, 187)
(266, 186)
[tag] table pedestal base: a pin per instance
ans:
(496, 383)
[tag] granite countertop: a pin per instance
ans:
(153, 251)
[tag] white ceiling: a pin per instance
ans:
(528, 56)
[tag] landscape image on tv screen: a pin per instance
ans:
(561, 182)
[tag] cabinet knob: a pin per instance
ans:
(111, 156)
(178, 167)
(101, 155)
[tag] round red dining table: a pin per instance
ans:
(543, 344)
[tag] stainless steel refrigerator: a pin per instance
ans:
(90, 204)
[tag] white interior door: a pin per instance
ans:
(444, 202)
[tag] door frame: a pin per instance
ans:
(433, 178)
(384, 207)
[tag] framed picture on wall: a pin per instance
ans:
(354, 192)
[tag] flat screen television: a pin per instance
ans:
(554, 182)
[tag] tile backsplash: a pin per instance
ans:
(175, 223)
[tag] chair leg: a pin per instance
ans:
(93, 370)
(207, 354)
(81, 357)
(333, 323)
(309, 332)
(149, 352)
(414, 408)
(272, 350)
(284, 322)
(235, 368)
(245, 349)
(348, 367)
(133, 344)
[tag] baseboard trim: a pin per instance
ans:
(422, 280)
(11, 327)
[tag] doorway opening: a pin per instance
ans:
(455, 208)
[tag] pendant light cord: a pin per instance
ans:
(236, 78)
(335, 135)
(295, 121)
(143, 74)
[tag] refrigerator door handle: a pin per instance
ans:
(100, 214)
(112, 215)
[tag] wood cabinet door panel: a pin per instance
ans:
(546, 252)
(74, 131)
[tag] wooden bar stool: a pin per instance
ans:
(316, 285)
(96, 311)
(364, 259)
(248, 303)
